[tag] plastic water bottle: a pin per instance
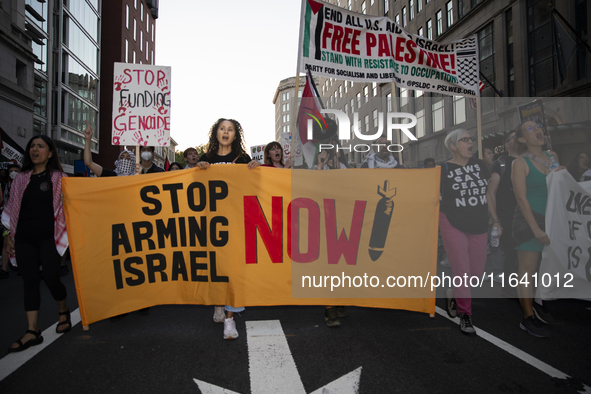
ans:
(494, 237)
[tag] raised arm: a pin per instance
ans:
(97, 169)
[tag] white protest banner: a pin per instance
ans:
(565, 271)
(286, 144)
(256, 152)
(337, 43)
(141, 105)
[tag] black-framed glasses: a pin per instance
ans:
(466, 139)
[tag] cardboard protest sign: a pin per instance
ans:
(257, 153)
(141, 105)
(233, 236)
(338, 43)
(286, 144)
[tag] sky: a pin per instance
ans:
(227, 60)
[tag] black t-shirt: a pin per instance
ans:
(506, 201)
(108, 173)
(153, 168)
(230, 158)
(463, 191)
(35, 219)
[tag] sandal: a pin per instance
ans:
(23, 346)
(63, 323)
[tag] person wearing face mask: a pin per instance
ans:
(125, 164)
(226, 146)
(147, 163)
(12, 169)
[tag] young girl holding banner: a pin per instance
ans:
(226, 146)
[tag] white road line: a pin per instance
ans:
(520, 354)
(271, 365)
(13, 361)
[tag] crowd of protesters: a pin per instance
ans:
(512, 212)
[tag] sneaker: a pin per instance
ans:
(542, 313)
(219, 315)
(444, 262)
(230, 329)
(3, 274)
(534, 327)
(341, 311)
(451, 305)
(466, 325)
(330, 318)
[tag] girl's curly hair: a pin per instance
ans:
(237, 145)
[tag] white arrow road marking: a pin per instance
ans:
(13, 361)
(343, 385)
(272, 367)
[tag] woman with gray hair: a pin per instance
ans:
(463, 221)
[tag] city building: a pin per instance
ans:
(129, 28)
(17, 62)
(518, 63)
(59, 71)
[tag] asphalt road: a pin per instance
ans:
(387, 351)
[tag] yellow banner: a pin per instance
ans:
(233, 236)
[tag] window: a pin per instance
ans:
(389, 102)
(133, 57)
(386, 7)
(371, 2)
(509, 46)
(134, 31)
(397, 19)
(135, 4)
(127, 16)
(374, 115)
(352, 104)
(340, 91)
(438, 115)
(461, 9)
(374, 89)
(147, 23)
(141, 40)
(363, 9)
(349, 4)
(358, 100)
(403, 97)
(419, 6)
(450, 13)
(429, 30)
(486, 51)
(439, 26)
(411, 9)
(403, 16)
(418, 93)
(420, 127)
(346, 90)
(126, 54)
(152, 32)
(366, 93)
(459, 109)
(581, 28)
(366, 125)
(420, 32)
(142, 11)
(152, 57)
(346, 108)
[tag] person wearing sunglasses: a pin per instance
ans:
(463, 221)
